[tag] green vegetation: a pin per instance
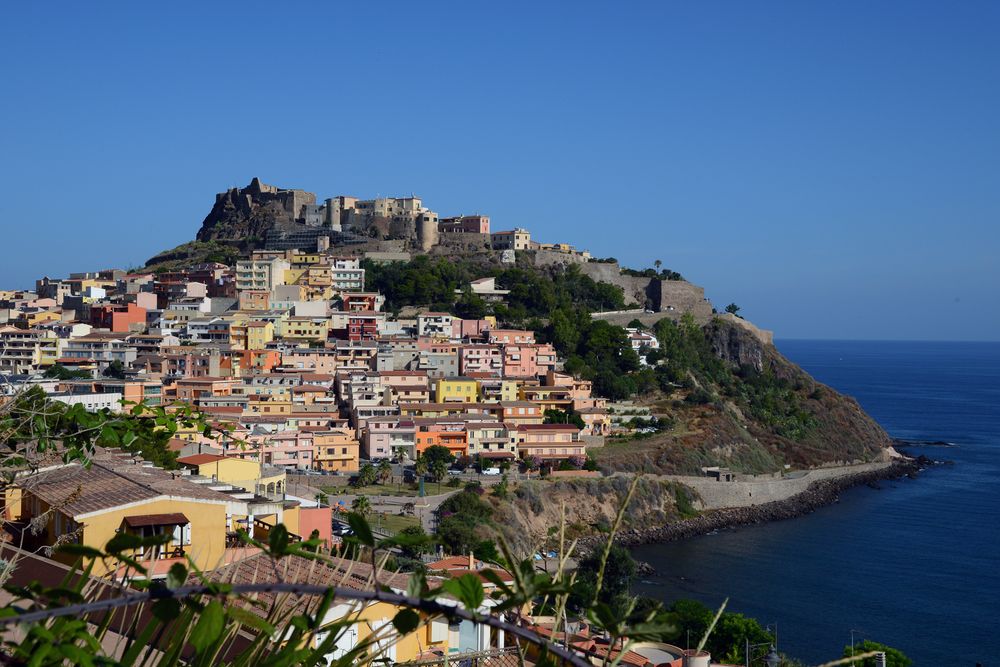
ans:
(465, 521)
(424, 281)
(196, 252)
(32, 425)
(773, 402)
(115, 370)
(893, 657)
(562, 417)
(616, 589)
(727, 643)
(60, 372)
(388, 489)
(662, 274)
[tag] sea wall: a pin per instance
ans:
(763, 489)
(820, 493)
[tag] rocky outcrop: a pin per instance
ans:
(246, 213)
(736, 345)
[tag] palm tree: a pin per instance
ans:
(438, 470)
(657, 264)
(367, 475)
(420, 467)
(384, 470)
(361, 505)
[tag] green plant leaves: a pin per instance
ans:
(467, 589)
(177, 575)
(277, 540)
(209, 626)
(406, 620)
(362, 531)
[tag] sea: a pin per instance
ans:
(915, 563)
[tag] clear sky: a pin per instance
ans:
(834, 168)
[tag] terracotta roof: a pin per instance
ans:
(261, 568)
(112, 480)
(200, 459)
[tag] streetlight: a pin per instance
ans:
(771, 658)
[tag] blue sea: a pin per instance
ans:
(914, 564)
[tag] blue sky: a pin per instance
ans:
(834, 168)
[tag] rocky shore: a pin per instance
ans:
(819, 494)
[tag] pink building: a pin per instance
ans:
(319, 519)
(519, 336)
(524, 361)
(550, 441)
(480, 359)
(463, 329)
(315, 360)
(288, 449)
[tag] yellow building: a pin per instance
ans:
(117, 494)
(259, 334)
(305, 329)
(456, 390)
(335, 450)
(244, 473)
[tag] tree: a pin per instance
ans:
(461, 517)
(366, 476)
(616, 587)
(384, 471)
(116, 370)
(657, 264)
(60, 372)
(438, 453)
(893, 657)
(438, 469)
(733, 309)
(413, 542)
(361, 505)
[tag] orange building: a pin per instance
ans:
(118, 318)
(455, 439)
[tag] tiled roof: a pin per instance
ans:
(261, 568)
(199, 459)
(112, 480)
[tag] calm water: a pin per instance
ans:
(914, 564)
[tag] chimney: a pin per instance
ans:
(472, 561)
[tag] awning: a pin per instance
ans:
(139, 520)
(497, 455)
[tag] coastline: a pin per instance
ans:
(818, 494)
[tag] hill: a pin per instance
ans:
(720, 391)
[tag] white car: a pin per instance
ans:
(491, 471)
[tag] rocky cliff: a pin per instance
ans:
(241, 215)
(763, 414)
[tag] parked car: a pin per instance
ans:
(455, 471)
(342, 529)
(491, 471)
